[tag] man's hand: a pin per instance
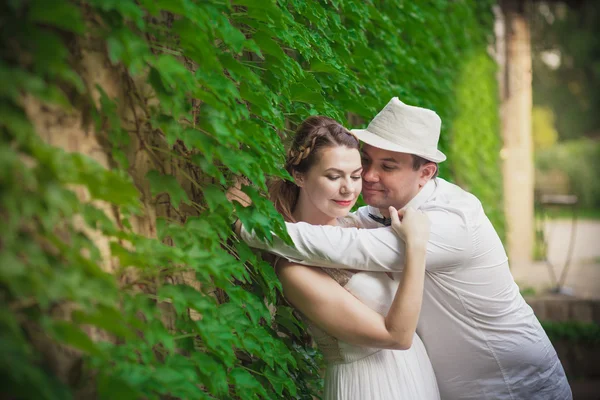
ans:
(234, 193)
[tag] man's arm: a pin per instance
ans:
(378, 249)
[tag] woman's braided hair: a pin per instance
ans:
(314, 134)
(295, 156)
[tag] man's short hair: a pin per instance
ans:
(418, 162)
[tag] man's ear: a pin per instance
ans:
(298, 178)
(428, 170)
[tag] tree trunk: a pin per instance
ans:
(514, 54)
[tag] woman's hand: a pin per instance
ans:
(411, 225)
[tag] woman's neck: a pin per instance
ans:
(305, 211)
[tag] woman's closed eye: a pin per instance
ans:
(336, 177)
(388, 167)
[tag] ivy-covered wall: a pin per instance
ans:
(122, 124)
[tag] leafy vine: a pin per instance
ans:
(122, 123)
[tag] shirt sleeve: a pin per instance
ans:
(377, 249)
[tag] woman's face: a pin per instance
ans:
(331, 186)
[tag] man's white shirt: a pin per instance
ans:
(483, 340)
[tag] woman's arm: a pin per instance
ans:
(339, 313)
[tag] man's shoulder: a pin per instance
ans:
(451, 196)
(451, 191)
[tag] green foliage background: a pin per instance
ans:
(571, 89)
(579, 160)
(217, 85)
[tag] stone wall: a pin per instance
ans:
(562, 309)
(69, 130)
(581, 360)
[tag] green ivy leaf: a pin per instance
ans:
(215, 198)
(106, 318)
(269, 277)
(269, 46)
(285, 316)
(238, 70)
(246, 386)
(183, 297)
(213, 373)
(255, 308)
(280, 382)
(304, 94)
(63, 15)
(71, 335)
(112, 387)
(167, 184)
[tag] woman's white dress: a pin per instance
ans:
(363, 373)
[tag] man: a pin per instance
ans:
(483, 339)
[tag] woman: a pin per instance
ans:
(359, 320)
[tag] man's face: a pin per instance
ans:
(389, 178)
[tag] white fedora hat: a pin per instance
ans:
(405, 129)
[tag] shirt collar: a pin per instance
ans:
(421, 197)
